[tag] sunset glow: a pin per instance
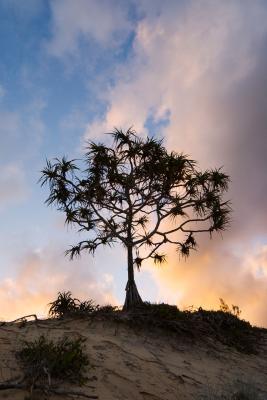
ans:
(190, 72)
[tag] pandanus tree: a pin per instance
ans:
(137, 193)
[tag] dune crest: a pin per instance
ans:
(141, 363)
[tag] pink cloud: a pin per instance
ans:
(41, 275)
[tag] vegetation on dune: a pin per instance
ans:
(45, 360)
(223, 325)
(67, 306)
(138, 194)
(46, 363)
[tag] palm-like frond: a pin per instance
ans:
(129, 191)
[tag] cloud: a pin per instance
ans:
(216, 271)
(203, 64)
(183, 57)
(41, 274)
(105, 23)
(13, 188)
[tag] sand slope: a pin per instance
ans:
(138, 364)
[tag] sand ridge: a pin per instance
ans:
(129, 364)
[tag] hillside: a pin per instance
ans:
(142, 361)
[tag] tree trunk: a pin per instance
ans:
(133, 298)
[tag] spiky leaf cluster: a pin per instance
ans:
(127, 192)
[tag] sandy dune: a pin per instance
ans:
(140, 365)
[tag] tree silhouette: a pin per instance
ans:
(137, 193)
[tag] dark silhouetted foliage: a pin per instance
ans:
(127, 192)
(194, 324)
(65, 306)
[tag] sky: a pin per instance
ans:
(193, 72)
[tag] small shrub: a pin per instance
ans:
(65, 305)
(107, 309)
(45, 361)
(162, 311)
(86, 306)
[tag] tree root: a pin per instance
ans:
(47, 389)
(20, 319)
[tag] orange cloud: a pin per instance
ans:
(40, 277)
(214, 272)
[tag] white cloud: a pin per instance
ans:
(183, 58)
(104, 22)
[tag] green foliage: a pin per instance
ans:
(65, 306)
(48, 362)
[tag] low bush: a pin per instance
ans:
(228, 329)
(162, 310)
(224, 326)
(46, 362)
